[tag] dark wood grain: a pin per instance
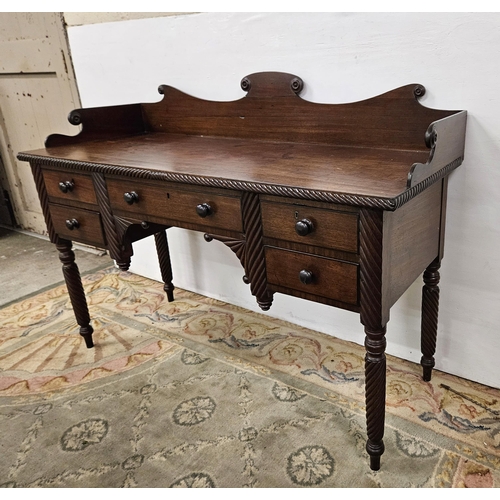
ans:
(332, 279)
(411, 241)
(160, 222)
(368, 153)
(330, 253)
(446, 138)
(331, 229)
(176, 203)
(106, 122)
(369, 172)
(83, 188)
(272, 111)
(90, 227)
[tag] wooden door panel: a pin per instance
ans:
(37, 91)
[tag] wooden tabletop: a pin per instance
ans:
(348, 170)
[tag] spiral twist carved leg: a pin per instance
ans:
(75, 290)
(163, 252)
(430, 310)
(375, 373)
(255, 264)
(374, 317)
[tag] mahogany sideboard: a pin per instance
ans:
(342, 204)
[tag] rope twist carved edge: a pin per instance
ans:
(295, 192)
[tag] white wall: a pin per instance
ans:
(341, 57)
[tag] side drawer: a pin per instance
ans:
(86, 229)
(330, 278)
(66, 185)
(174, 203)
(324, 228)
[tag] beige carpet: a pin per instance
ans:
(199, 393)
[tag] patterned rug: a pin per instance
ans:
(200, 393)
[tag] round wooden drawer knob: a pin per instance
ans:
(306, 277)
(203, 209)
(72, 224)
(131, 197)
(66, 186)
(304, 227)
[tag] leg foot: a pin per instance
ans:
(430, 309)
(165, 264)
(426, 370)
(169, 292)
(375, 462)
(123, 265)
(266, 301)
(86, 333)
(75, 290)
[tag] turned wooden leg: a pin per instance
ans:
(374, 316)
(375, 373)
(430, 309)
(75, 290)
(165, 264)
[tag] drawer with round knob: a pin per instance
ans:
(206, 207)
(77, 224)
(310, 225)
(329, 278)
(65, 185)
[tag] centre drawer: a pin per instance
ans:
(206, 206)
(77, 224)
(310, 225)
(309, 273)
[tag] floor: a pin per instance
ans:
(30, 264)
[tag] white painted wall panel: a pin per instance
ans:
(341, 57)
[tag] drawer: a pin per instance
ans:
(86, 229)
(174, 203)
(69, 186)
(329, 278)
(318, 227)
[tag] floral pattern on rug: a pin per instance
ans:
(172, 423)
(455, 406)
(37, 358)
